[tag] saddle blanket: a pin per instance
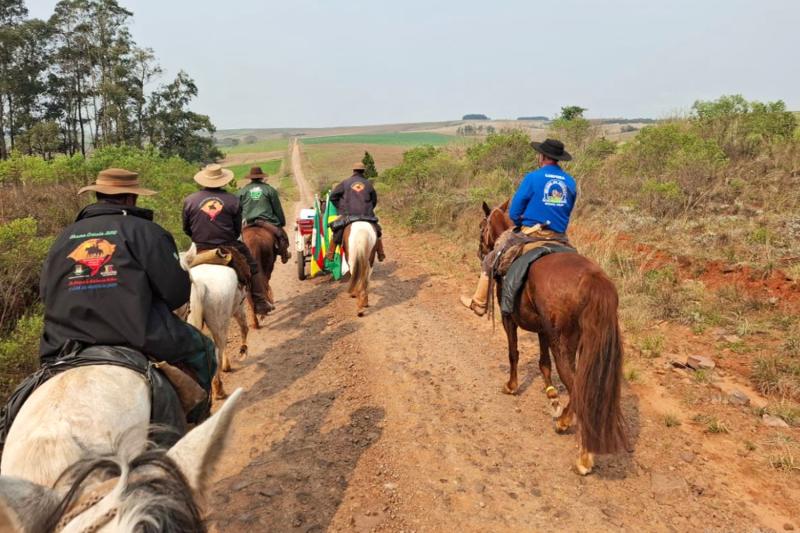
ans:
(517, 273)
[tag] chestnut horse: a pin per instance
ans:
(572, 305)
(261, 243)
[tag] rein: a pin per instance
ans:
(86, 502)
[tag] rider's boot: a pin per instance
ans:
(257, 290)
(379, 250)
(478, 301)
(283, 243)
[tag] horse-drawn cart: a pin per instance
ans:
(303, 232)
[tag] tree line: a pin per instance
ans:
(79, 81)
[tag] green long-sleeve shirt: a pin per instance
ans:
(260, 201)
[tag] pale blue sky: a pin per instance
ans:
(313, 63)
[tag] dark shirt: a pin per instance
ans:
(114, 277)
(355, 196)
(212, 217)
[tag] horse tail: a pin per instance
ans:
(360, 249)
(599, 368)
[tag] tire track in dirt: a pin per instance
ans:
(395, 422)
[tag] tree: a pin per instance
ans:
(369, 166)
(175, 130)
(572, 112)
(475, 116)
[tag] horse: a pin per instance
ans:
(125, 489)
(216, 297)
(261, 243)
(360, 238)
(572, 305)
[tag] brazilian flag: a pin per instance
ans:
(335, 266)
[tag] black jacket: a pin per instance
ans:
(113, 277)
(212, 217)
(355, 196)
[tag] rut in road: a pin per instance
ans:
(395, 422)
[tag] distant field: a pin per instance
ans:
(269, 167)
(268, 145)
(386, 139)
(326, 164)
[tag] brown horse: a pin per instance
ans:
(261, 243)
(572, 305)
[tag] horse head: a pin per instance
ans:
(155, 490)
(494, 223)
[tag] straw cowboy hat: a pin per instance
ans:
(214, 176)
(359, 166)
(553, 149)
(117, 181)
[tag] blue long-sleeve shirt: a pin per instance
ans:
(546, 196)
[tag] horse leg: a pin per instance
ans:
(585, 462)
(217, 389)
(251, 304)
(241, 319)
(547, 374)
(513, 355)
(567, 375)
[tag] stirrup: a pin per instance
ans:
(478, 309)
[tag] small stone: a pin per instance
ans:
(732, 339)
(687, 456)
(698, 362)
(737, 397)
(788, 527)
(773, 421)
(668, 488)
(390, 486)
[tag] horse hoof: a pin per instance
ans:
(582, 470)
(561, 427)
(556, 409)
(243, 352)
(509, 390)
(220, 395)
(361, 312)
(226, 367)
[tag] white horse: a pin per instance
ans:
(360, 252)
(216, 297)
(124, 489)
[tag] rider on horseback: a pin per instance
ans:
(261, 206)
(212, 217)
(540, 210)
(355, 199)
(113, 278)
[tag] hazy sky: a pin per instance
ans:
(306, 63)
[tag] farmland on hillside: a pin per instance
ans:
(270, 167)
(387, 139)
(329, 163)
(266, 145)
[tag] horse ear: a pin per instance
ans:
(486, 209)
(24, 506)
(197, 452)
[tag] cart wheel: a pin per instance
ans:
(300, 258)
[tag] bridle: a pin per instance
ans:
(86, 502)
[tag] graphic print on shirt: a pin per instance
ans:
(255, 193)
(358, 187)
(212, 207)
(555, 193)
(93, 268)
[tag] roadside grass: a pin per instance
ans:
(671, 420)
(270, 167)
(327, 164)
(391, 139)
(266, 145)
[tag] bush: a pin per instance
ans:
(19, 352)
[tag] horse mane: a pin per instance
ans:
(150, 493)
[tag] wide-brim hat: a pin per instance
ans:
(117, 181)
(553, 149)
(359, 166)
(256, 174)
(214, 176)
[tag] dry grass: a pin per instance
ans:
(326, 164)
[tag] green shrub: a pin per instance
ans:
(19, 352)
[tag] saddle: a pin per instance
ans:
(340, 223)
(225, 256)
(517, 273)
(172, 393)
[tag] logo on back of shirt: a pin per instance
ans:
(358, 187)
(555, 193)
(93, 269)
(212, 207)
(256, 193)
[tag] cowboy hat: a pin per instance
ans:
(256, 174)
(553, 149)
(214, 176)
(359, 166)
(117, 181)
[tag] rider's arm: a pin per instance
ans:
(373, 195)
(337, 194)
(520, 201)
(277, 208)
(159, 257)
(187, 222)
(237, 220)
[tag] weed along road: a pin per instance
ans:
(396, 422)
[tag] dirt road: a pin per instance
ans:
(396, 422)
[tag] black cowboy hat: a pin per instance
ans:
(553, 149)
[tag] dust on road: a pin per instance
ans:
(395, 422)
